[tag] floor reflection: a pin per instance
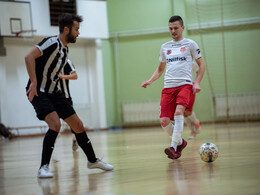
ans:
(96, 182)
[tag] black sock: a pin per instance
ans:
(48, 146)
(86, 146)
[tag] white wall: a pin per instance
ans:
(95, 24)
(87, 92)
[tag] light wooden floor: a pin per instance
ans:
(141, 167)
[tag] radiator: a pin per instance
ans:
(141, 112)
(238, 104)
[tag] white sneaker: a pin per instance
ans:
(74, 145)
(100, 165)
(44, 172)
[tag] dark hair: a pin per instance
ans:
(67, 20)
(176, 18)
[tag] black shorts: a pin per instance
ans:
(45, 103)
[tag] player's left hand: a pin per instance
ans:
(61, 76)
(196, 88)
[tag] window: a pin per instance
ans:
(57, 7)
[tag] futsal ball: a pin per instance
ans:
(208, 152)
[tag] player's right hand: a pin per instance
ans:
(145, 83)
(32, 91)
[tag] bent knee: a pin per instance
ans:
(79, 128)
(55, 126)
(164, 121)
(187, 113)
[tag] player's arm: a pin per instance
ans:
(199, 75)
(30, 66)
(156, 75)
(71, 76)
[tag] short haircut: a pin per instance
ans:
(176, 18)
(67, 20)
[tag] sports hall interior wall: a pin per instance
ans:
(87, 92)
(139, 28)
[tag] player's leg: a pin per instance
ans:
(182, 100)
(74, 142)
(192, 117)
(166, 113)
(53, 121)
(45, 110)
(84, 142)
(190, 124)
(166, 125)
(177, 140)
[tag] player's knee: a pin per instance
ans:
(164, 122)
(79, 127)
(179, 112)
(187, 113)
(56, 126)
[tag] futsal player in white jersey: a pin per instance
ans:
(68, 72)
(177, 56)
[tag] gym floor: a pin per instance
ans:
(140, 165)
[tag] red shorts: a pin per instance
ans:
(182, 95)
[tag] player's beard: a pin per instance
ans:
(71, 38)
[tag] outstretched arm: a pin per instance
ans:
(156, 75)
(30, 66)
(199, 75)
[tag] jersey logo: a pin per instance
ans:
(182, 49)
(169, 52)
(168, 60)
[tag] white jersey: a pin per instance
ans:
(178, 57)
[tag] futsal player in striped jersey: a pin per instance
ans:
(68, 72)
(177, 56)
(44, 63)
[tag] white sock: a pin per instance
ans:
(180, 142)
(73, 137)
(193, 118)
(168, 129)
(178, 128)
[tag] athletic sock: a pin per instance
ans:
(86, 146)
(48, 146)
(168, 129)
(178, 128)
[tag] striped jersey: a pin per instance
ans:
(49, 64)
(179, 59)
(64, 83)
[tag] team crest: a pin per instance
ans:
(183, 49)
(169, 52)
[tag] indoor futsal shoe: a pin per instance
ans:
(44, 172)
(99, 164)
(171, 153)
(74, 145)
(181, 147)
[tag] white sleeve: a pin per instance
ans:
(162, 57)
(72, 67)
(44, 44)
(195, 50)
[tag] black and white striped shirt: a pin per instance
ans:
(48, 66)
(64, 83)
